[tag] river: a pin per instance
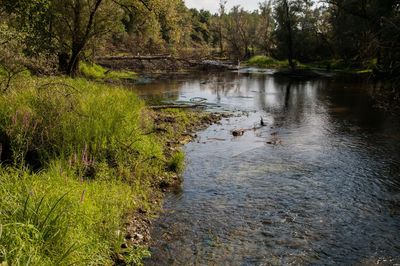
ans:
(320, 184)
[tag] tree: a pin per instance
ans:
(240, 32)
(265, 28)
(359, 27)
(286, 19)
(141, 26)
(200, 20)
(222, 4)
(88, 19)
(63, 27)
(173, 17)
(12, 61)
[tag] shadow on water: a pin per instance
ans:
(328, 192)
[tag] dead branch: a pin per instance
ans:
(176, 106)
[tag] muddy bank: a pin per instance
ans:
(163, 64)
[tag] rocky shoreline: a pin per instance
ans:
(138, 225)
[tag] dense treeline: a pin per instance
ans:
(355, 33)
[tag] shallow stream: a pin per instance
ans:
(320, 184)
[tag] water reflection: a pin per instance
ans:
(327, 193)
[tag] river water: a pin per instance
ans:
(320, 184)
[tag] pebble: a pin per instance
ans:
(139, 237)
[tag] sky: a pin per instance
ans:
(212, 5)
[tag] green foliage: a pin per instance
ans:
(97, 72)
(12, 61)
(100, 156)
(266, 62)
(52, 218)
(98, 162)
(32, 18)
(136, 255)
(86, 123)
(177, 162)
(200, 26)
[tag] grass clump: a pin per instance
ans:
(97, 72)
(177, 162)
(266, 62)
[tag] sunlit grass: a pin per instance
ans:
(97, 72)
(177, 162)
(266, 62)
(52, 218)
(82, 157)
(98, 161)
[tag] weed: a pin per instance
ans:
(177, 162)
(136, 255)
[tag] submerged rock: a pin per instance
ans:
(238, 132)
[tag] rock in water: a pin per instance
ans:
(262, 122)
(238, 132)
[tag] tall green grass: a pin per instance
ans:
(97, 72)
(263, 61)
(266, 62)
(86, 124)
(99, 160)
(52, 218)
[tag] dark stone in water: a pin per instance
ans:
(238, 132)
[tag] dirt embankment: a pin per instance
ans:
(167, 64)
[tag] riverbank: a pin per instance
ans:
(338, 66)
(91, 163)
(164, 64)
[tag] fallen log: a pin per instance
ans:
(177, 106)
(142, 57)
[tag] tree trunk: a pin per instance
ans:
(80, 36)
(63, 59)
(221, 45)
(289, 35)
(73, 64)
